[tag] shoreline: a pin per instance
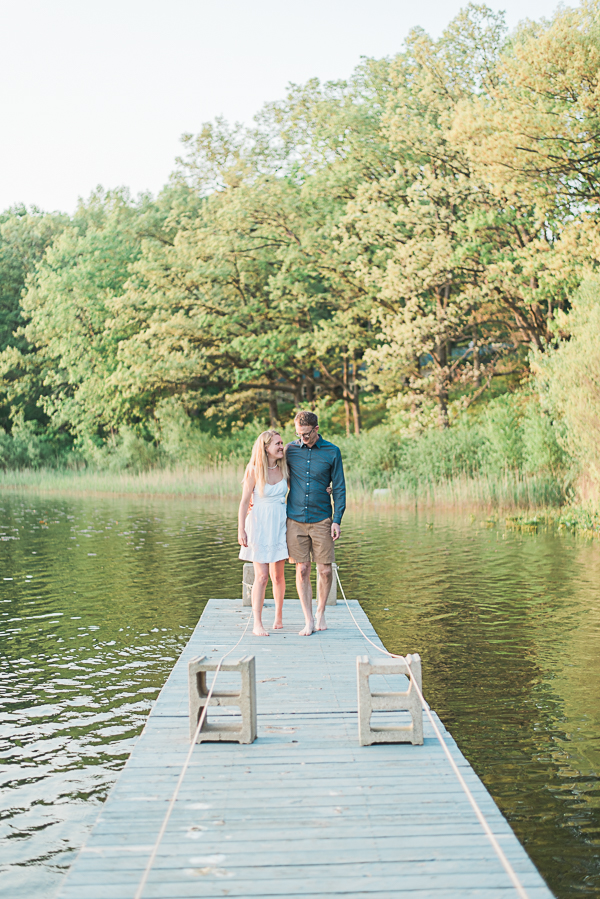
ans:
(509, 501)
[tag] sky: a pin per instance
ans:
(100, 91)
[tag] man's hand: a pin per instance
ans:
(335, 531)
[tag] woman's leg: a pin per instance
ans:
(277, 572)
(261, 578)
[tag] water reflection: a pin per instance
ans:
(508, 628)
(97, 598)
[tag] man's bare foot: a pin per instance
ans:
(321, 624)
(259, 631)
(277, 624)
(308, 629)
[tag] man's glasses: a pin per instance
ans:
(305, 436)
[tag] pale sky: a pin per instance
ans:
(100, 91)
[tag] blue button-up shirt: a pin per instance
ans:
(312, 470)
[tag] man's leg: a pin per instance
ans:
(277, 572)
(299, 546)
(304, 589)
(261, 579)
(325, 576)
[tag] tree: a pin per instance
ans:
(256, 298)
(230, 309)
(412, 231)
(24, 237)
(568, 377)
(66, 345)
(532, 137)
(460, 274)
(536, 128)
(417, 253)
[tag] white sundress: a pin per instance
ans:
(266, 524)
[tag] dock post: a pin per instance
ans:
(388, 701)
(247, 583)
(332, 598)
(244, 699)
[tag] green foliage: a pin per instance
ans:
(438, 456)
(543, 444)
(24, 238)
(69, 307)
(395, 242)
(504, 434)
(511, 437)
(30, 445)
(568, 377)
(181, 441)
(521, 436)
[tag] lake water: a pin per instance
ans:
(99, 596)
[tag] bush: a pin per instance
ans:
(512, 440)
(568, 377)
(126, 451)
(542, 451)
(512, 435)
(183, 442)
(436, 456)
(503, 434)
(30, 445)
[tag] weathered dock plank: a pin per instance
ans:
(304, 810)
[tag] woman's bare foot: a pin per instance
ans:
(259, 631)
(277, 624)
(308, 629)
(321, 624)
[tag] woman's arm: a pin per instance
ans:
(249, 484)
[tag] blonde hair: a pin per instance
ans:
(259, 461)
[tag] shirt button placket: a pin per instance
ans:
(307, 483)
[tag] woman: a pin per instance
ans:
(261, 531)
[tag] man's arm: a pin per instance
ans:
(338, 484)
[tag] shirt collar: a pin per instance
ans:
(319, 441)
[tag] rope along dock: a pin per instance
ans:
(304, 810)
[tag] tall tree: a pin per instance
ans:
(66, 309)
(536, 128)
(460, 274)
(25, 236)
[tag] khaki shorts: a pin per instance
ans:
(304, 540)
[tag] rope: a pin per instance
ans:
(480, 816)
(161, 833)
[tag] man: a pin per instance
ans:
(313, 464)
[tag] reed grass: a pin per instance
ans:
(506, 492)
(208, 481)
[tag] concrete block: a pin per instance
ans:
(407, 701)
(244, 699)
(247, 584)
(332, 598)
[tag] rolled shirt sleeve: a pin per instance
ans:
(338, 484)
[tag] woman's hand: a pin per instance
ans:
(329, 490)
(249, 482)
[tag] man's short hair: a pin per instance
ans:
(306, 418)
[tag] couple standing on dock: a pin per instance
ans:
(270, 532)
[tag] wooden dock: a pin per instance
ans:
(303, 811)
